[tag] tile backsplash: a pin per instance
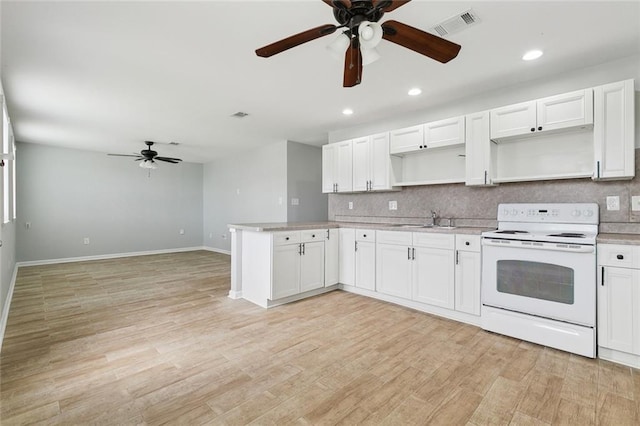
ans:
(478, 206)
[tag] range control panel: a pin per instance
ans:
(586, 213)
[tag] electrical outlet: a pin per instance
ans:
(224, 236)
(210, 235)
(350, 205)
(182, 232)
(86, 241)
(613, 202)
(295, 201)
(393, 205)
(635, 203)
(279, 201)
(27, 225)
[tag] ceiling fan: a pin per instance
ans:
(148, 157)
(362, 33)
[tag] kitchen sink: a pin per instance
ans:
(424, 226)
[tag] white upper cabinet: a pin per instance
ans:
(614, 131)
(436, 134)
(560, 112)
(371, 163)
(513, 120)
(407, 140)
(337, 167)
(478, 152)
(444, 133)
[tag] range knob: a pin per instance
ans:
(576, 213)
(514, 212)
(588, 213)
(505, 212)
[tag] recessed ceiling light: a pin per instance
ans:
(347, 111)
(415, 91)
(531, 55)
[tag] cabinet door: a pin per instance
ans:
(567, 110)
(380, 162)
(468, 273)
(613, 130)
(361, 164)
(619, 309)
(444, 132)
(344, 171)
(347, 262)
(407, 139)
(329, 161)
(393, 270)
(366, 265)
(286, 271)
(331, 256)
(433, 277)
(513, 120)
(478, 164)
(312, 266)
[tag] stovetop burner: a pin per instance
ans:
(511, 232)
(568, 235)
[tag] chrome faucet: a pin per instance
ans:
(434, 216)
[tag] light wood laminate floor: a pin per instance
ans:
(154, 339)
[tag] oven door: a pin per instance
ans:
(550, 280)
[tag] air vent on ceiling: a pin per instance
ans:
(240, 114)
(456, 23)
(174, 143)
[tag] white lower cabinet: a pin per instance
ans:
(416, 266)
(332, 257)
(468, 274)
(347, 260)
(619, 303)
(299, 266)
(393, 269)
(365, 263)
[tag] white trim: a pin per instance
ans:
(235, 294)
(7, 305)
(107, 256)
(217, 250)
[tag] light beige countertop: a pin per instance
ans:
(299, 226)
(618, 239)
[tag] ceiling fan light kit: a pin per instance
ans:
(363, 33)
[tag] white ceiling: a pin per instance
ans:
(105, 76)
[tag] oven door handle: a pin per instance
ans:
(538, 246)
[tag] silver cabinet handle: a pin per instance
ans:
(598, 169)
(303, 244)
(356, 246)
(413, 254)
(457, 257)
(328, 235)
(409, 253)
(602, 280)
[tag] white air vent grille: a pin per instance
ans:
(456, 23)
(240, 114)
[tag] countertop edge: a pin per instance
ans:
(294, 226)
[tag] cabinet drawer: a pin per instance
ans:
(365, 235)
(625, 256)
(313, 235)
(394, 237)
(280, 238)
(468, 242)
(442, 241)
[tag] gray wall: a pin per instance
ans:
(304, 182)
(251, 187)
(68, 194)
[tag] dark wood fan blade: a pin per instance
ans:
(419, 41)
(168, 159)
(352, 64)
(295, 40)
(389, 5)
(340, 4)
(125, 155)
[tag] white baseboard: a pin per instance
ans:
(7, 305)
(235, 294)
(108, 256)
(217, 250)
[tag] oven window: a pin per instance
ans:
(536, 280)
